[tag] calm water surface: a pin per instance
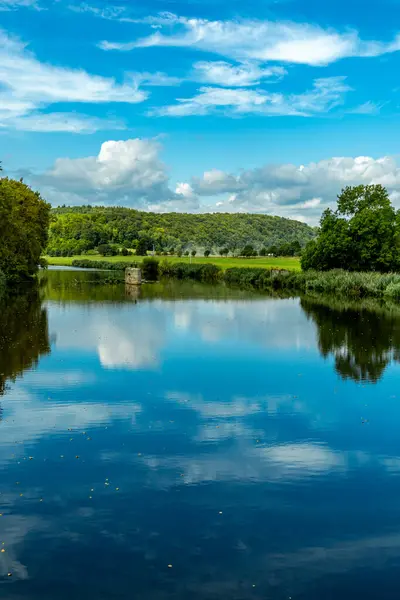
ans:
(196, 443)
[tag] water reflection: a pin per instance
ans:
(23, 334)
(193, 442)
(363, 340)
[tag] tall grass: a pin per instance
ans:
(337, 282)
(208, 272)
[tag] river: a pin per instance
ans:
(194, 442)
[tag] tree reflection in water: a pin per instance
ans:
(24, 335)
(363, 339)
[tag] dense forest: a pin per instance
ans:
(77, 230)
(24, 224)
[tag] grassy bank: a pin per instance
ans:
(336, 283)
(292, 264)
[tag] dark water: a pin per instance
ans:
(196, 443)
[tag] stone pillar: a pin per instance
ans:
(133, 276)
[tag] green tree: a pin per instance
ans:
(361, 235)
(207, 252)
(142, 247)
(193, 252)
(248, 251)
(24, 224)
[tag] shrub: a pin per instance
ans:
(150, 269)
(208, 273)
(207, 253)
(393, 291)
(248, 251)
(102, 265)
(106, 250)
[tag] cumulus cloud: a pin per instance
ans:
(300, 192)
(228, 75)
(245, 39)
(131, 173)
(326, 94)
(126, 172)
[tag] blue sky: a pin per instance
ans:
(254, 106)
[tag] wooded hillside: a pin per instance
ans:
(79, 229)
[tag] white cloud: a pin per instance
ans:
(156, 79)
(367, 108)
(14, 4)
(61, 122)
(227, 75)
(300, 192)
(131, 173)
(325, 95)
(244, 40)
(126, 172)
(29, 85)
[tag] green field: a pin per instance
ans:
(292, 264)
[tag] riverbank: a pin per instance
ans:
(265, 262)
(336, 282)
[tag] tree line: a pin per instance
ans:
(86, 229)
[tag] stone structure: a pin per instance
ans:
(133, 276)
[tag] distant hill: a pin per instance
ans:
(78, 229)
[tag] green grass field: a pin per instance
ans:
(292, 264)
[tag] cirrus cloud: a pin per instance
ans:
(326, 94)
(244, 39)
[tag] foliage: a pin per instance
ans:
(207, 253)
(361, 235)
(2, 283)
(77, 229)
(142, 247)
(150, 269)
(106, 250)
(200, 272)
(102, 265)
(193, 253)
(248, 251)
(24, 223)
